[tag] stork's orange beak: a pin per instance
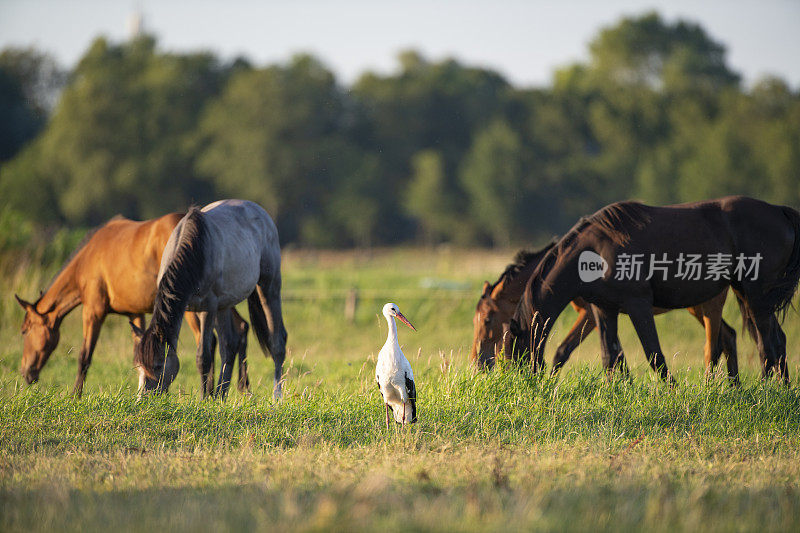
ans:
(405, 321)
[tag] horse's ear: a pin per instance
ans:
(487, 288)
(137, 331)
(27, 306)
(498, 289)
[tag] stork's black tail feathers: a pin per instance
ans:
(411, 389)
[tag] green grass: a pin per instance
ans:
(499, 451)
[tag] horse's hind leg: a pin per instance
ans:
(641, 314)
(228, 344)
(779, 343)
(725, 338)
(267, 322)
(767, 342)
(727, 344)
(712, 320)
(580, 330)
(240, 330)
(609, 343)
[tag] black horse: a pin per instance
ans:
(631, 257)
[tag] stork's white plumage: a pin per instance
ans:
(394, 374)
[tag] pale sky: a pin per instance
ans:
(523, 40)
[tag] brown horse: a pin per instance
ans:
(113, 270)
(498, 302)
(762, 239)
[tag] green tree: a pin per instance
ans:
(279, 136)
(18, 122)
(438, 151)
(120, 139)
(435, 106)
(29, 83)
(493, 176)
(751, 148)
(428, 200)
(647, 51)
(358, 209)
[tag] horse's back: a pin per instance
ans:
(242, 248)
(737, 227)
(246, 221)
(124, 256)
(736, 221)
(747, 225)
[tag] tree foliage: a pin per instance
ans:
(29, 82)
(435, 152)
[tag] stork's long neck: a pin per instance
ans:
(392, 336)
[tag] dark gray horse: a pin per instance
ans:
(215, 258)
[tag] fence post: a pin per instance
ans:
(350, 304)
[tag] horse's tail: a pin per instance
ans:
(258, 319)
(179, 282)
(783, 290)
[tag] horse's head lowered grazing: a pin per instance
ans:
(40, 330)
(156, 373)
(496, 306)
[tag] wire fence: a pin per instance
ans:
(374, 294)
(352, 297)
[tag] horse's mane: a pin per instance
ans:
(177, 285)
(81, 245)
(614, 221)
(522, 260)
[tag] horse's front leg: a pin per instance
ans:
(228, 344)
(205, 352)
(712, 319)
(780, 347)
(584, 325)
(610, 348)
(93, 317)
(240, 329)
(137, 329)
(727, 345)
(641, 313)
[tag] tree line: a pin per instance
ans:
(437, 151)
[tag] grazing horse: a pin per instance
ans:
(215, 258)
(674, 237)
(498, 302)
(113, 270)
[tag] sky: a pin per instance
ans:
(526, 41)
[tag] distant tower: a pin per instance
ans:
(135, 24)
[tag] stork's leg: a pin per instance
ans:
(387, 416)
(404, 414)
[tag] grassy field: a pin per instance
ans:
(500, 451)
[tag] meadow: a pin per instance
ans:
(501, 451)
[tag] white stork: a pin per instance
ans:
(394, 374)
